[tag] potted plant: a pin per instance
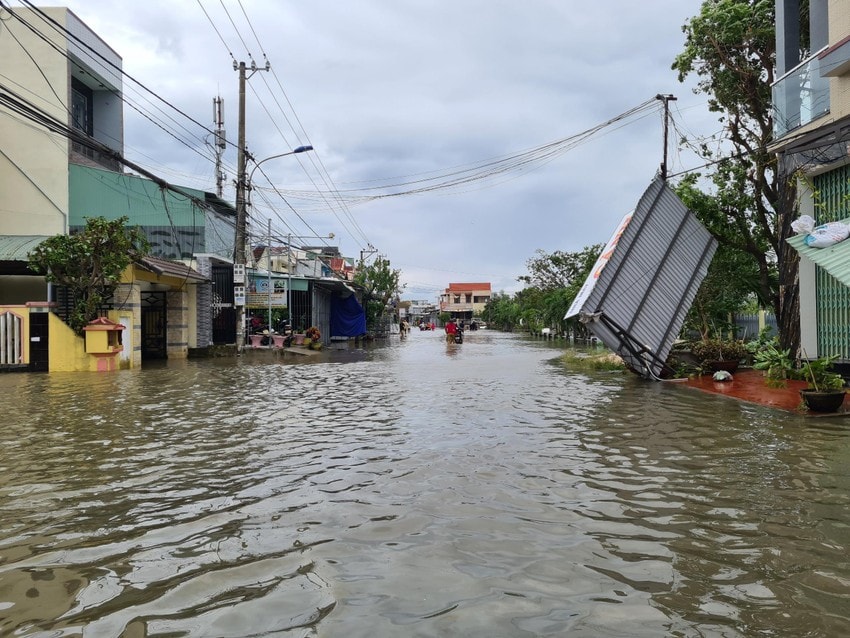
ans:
(298, 337)
(826, 389)
(314, 336)
(719, 354)
(777, 364)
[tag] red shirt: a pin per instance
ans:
(451, 328)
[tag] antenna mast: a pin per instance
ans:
(220, 143)
(666, 99)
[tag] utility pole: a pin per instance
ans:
(369, 250)
(241, 213)
(666, 99)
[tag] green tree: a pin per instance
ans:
(560, 269)
(730, 46)
(380, 284)
(733, 277)
(501, 312)
(89, 263)
(554, 281)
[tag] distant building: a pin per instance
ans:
(421, 310)
(465, 300)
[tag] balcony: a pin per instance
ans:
(799, 97)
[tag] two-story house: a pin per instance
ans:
(62, 160)
(811, 102)
(465, 300)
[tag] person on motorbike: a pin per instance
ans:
(451, 331)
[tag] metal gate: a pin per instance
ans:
(39, 357)
(154, 325)
(302, 310)
(223, 311)
(832, 297)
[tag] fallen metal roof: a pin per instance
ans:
(644, 282)
(833, 259)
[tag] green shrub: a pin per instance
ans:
(719, 350)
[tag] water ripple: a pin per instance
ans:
(416, 489)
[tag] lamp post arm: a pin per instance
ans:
(300, 149)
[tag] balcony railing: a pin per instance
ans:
(799, 97)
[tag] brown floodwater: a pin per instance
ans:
(414, 489)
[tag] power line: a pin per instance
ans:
(496, 168)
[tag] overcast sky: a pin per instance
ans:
(396, 95)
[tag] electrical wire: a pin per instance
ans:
(491, 169)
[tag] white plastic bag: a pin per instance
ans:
(827, 235)
(803, 225)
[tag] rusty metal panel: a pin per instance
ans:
(639, 292)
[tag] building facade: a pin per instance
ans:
(811, 113)
(61, 160)
(465, 300)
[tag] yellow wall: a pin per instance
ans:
(67, 351)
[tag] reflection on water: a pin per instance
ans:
(420, 489)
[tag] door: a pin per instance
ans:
(39, 359)
(154, 325)
(223, 310)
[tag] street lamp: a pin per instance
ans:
(299, 149)
(241, 222)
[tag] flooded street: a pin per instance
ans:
(417, 489)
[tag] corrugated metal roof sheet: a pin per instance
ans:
(833, 259)
(170, 268)
(653, 270)
(17, 247)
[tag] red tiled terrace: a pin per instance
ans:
(749, 385)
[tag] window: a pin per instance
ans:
(81, 107)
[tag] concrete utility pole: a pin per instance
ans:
(241, 214)
(666, 99)
(368, 251)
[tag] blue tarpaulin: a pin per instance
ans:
(348, 319)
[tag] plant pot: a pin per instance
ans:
(823, 401)
(728, 365)
(298, 339)
(278, 340)
(256, 341)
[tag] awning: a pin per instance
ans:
(17, 247)
(170, 268)
(834, 259)
(335, 285)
